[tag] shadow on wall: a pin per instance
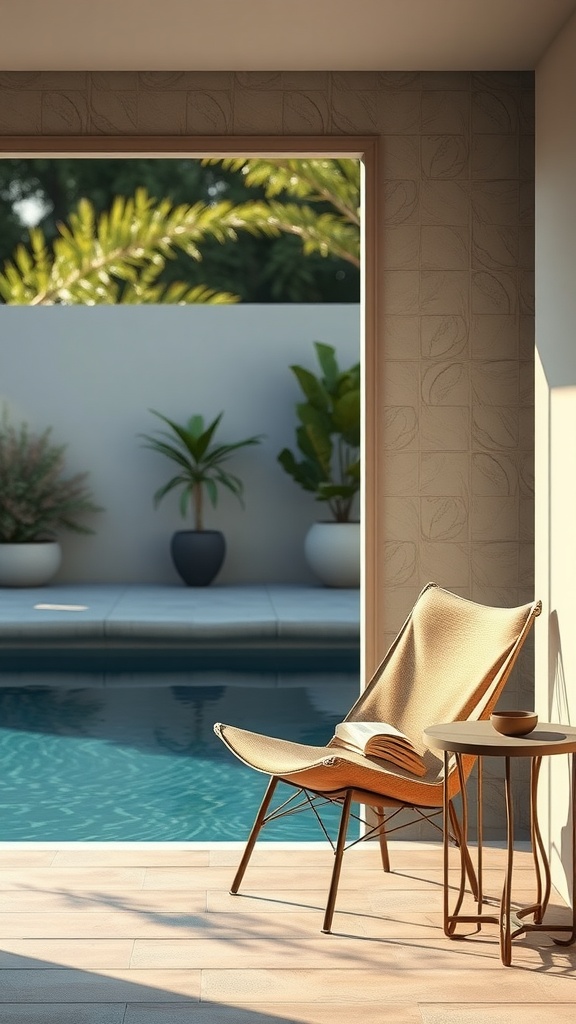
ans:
(558, 700)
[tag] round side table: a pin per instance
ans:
(481, 740)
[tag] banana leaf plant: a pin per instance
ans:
(200, 463)
(328, 434)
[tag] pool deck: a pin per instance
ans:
(151, 935)
(116, 616)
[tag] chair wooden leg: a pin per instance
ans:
(338, 854)
(258, 822)
(382, 838)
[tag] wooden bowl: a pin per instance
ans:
(514, 723)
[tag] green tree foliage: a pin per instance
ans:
(118, 256)
(319, 213)
(312, 185)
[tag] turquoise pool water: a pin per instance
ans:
(124, 750)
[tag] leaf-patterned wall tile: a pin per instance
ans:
(495, 112)
(258, 80)
(59, 81)
(401, 383)
(400, 291)
(399, 428)
(495, 474)
(402, 519)
(496, 202)
(400, 157)
(208, 81)
(208, 113)
(114, 113)
(495, 81)
(526, 565)
(162, 112)
(527, 291)
(164, 81)
(526, 428)
(304, 81)
(444, 519)
(495, 428)
(355, 81)
(353, 112)
(495, 292)
(394, 80)
(526, 202)
(445, 156)
(446, 563)
(444, 292)
(495, 246)
(445, 474)
(445, 248)
(526, 157)
(526, 472)
(495, 563)
(444, 429)
(494, 518)
(397, 112)
(401, 476)
(526, 337)
(527, 520)
(18, 81)
(306, 113)
(496, 383)
(495, 157)
(449, 81)
(397, 602)
(494, 336)
(445, 383)
(400, 248)
(401, 336)
(526, 371)
(114, 81)
(257, 112)
(400, 202)
(399, 563)
(445, 202)
(445, 112)
(443, 336)
(22, 114)
(64, 113)
(527, 110)
(526, 247)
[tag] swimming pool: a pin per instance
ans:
(119, 750)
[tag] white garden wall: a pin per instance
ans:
(92, 374)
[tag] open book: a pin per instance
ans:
(379, 739)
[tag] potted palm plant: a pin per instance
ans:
(36, 502)
(328, 439)
(197, 554)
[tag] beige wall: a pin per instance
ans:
(556, 418)
(454, 417)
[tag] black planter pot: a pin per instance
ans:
(198, 555)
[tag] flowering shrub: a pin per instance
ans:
(35, 499)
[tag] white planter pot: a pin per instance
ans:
(29, 565)
(333, 553)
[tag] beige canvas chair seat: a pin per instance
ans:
(449, 662)
(331, 770)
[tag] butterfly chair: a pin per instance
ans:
(449, 662)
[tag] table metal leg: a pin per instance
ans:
(452, 918)
(505, 924)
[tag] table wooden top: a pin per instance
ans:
(482, 738)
